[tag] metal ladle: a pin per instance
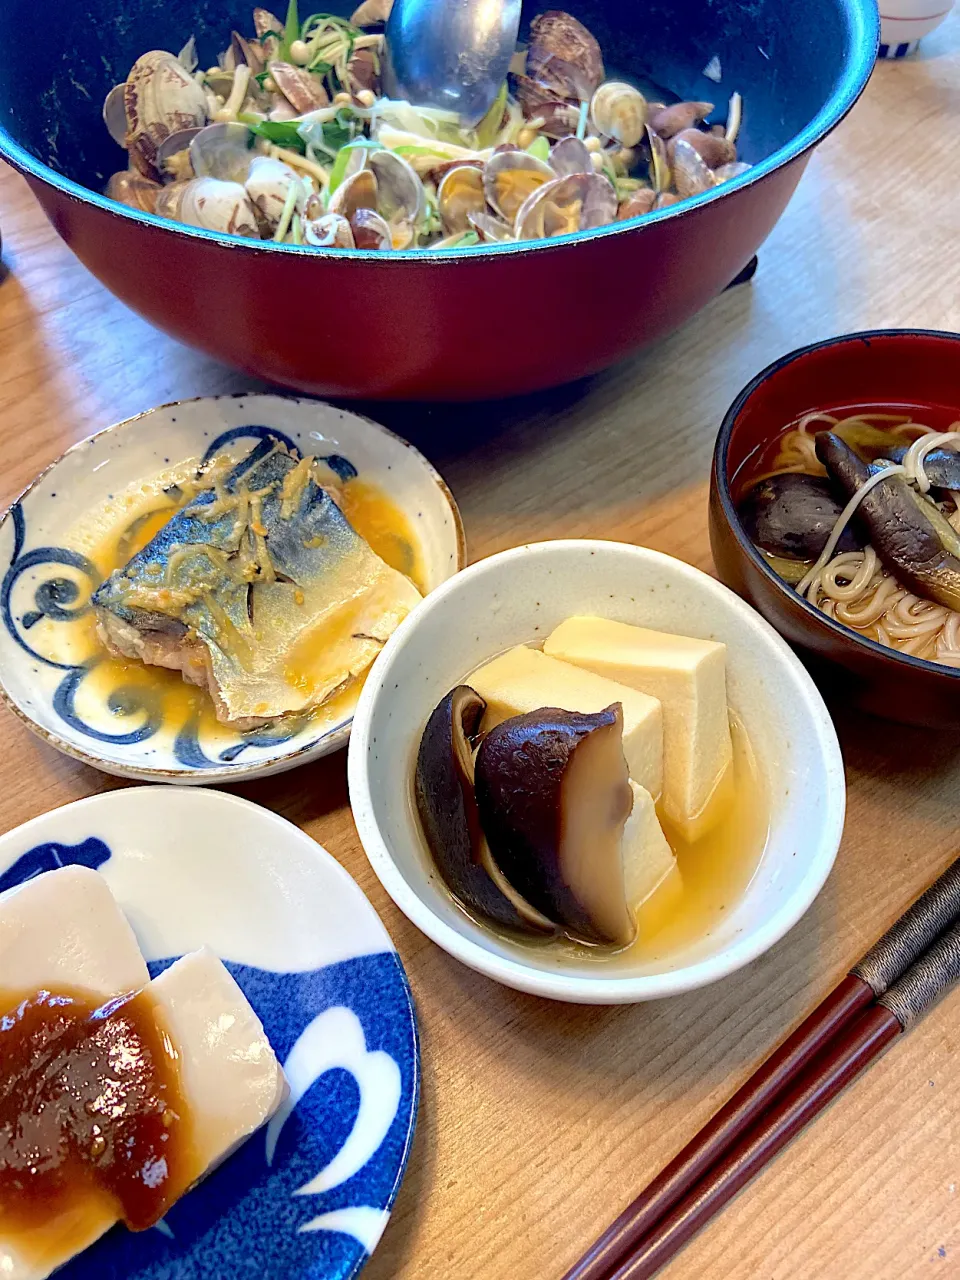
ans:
(450, 53)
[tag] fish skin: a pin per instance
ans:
(245, 659)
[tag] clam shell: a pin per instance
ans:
(160, 98)
(370, 12)
(135, 191)
(218, 206)
(678, 116)
(460, 194)
(173, 154)
(115, 114)
(303, 91)
(559, 115)
(570, 155)
(330, 231)
(619, 111)
(714, 151)
(222, 151)
(245, 51)
(564, 55)
(370, 231)
(268, 184)
(659, 165)
(510, 177)
(400, 193)
(728, 171)
(575, 203)
(264, 21)
(489, 228)
(359, 191)
(637, 204)
(690, 174)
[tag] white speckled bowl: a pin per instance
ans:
(46, 584)
(518, 597)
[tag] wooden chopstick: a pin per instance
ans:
(831, 1071)
(883, 964)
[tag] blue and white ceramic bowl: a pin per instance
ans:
(48, 578)
(308, 1197)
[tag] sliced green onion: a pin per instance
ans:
(297, 229)
(291, 31)
(540, 147)
(489, 126)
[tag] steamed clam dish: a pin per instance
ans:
(289, 139)
(860, 513)
(596, 792)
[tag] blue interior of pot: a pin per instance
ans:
(797, 63)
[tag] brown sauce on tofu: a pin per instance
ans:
(91, 1113)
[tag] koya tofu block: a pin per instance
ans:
(647, 857)
(524, 680)
(64, 931)
(689, 679)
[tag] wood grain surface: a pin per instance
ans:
(539, 1121)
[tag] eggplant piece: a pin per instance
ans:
(554, 796)
(913, 539)
(792, 515)
(446, 803)
(941, 465)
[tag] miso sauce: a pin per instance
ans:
(133, 690)
(93, 1123)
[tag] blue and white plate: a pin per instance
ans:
(61, 691)
(307, 1199)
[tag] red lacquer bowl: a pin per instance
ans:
(421, 324)
(887, 366)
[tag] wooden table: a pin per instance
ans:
(539, 1120)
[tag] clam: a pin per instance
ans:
(247, 53)
(370, 12)
(659, 165)
(330, 231)
(714, 151)
(222, 151)
(564, 55)
(619, 111)
(115, 114)
(401, 199)
(665, 199)
(637, 204)
(678, 116)
(728, 171)
(359, 191)
(268, 27)
(490, 229)
(570, 155)
(212, 204)
(560, 116)
(510, 177)
(690, 174)
(460, 195)
(370, 231)
(173, 155)
(135, 191)
(268, 185)
(303, 91)
(364, 70)
(575, 203)
(160, 98)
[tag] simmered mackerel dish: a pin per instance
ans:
(288, 138)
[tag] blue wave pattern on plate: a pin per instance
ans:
(252, 1216)
(56, 599)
